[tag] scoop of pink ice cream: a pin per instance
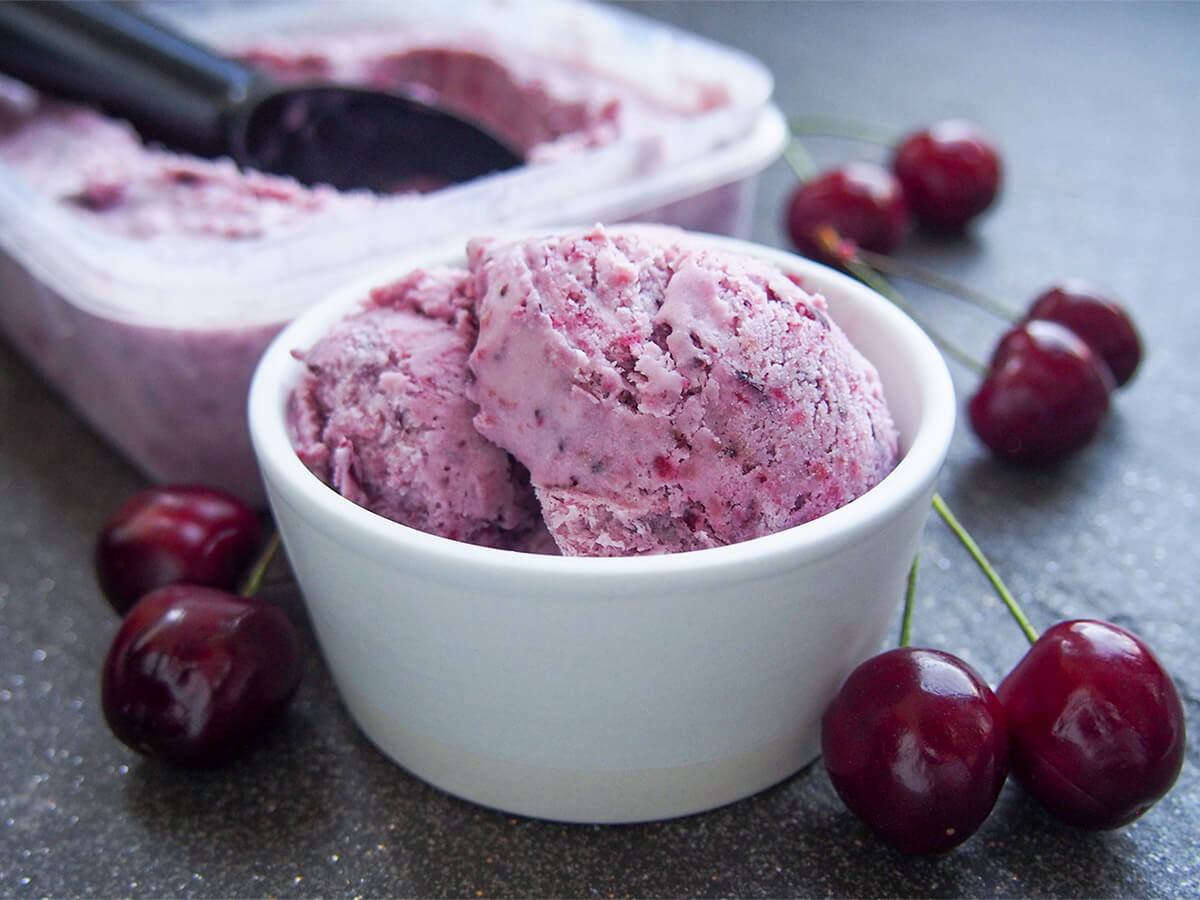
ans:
(666, 395)
(382, 416)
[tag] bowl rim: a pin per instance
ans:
(289, 481)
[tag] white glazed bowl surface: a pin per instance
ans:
(613, 689)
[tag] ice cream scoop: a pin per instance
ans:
(686, 397)
(191, 98)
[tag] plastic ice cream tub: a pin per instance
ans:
(150, 323)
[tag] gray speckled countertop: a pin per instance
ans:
(1095, 106)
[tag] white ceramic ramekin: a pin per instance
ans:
(607, 690)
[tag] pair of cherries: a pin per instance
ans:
(1047, 387)
(918, 746)
(1049, 384)
(198, 670)
(1088, 722)
(943, 177)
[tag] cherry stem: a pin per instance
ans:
(982, 561)
(909, 595)
(860, 269)
(254, 578)
(836, 126)
(800, 160)
(913, 272)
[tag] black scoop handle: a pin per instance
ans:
(107, 55)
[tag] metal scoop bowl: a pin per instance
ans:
(189, 98)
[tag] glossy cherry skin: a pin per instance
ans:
(861, 201)
(1044, 396)
(950, 173)
(1096, 726)
(1102, 323)
(196, 675)
(916, 746)
(172, 534)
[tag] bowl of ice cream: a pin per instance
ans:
(687, 482)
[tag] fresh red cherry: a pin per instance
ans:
(950, 172)
(195, 675)
(861, 201)
(1044, 396)
(171, 534)
(1099, 320)
(916, 746)
(1096, 726)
